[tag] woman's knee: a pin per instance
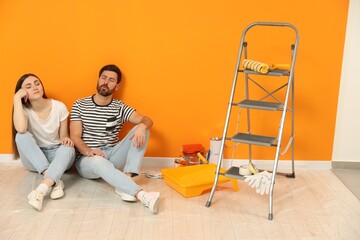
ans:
(70, 151)
(23, 137)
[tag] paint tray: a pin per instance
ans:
(192, 181)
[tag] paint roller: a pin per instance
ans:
(256, 66)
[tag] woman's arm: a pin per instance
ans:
(19, 117)
(64, 134)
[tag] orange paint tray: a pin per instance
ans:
(192, 181)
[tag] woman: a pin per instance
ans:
(41, 137)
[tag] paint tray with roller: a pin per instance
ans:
(194, 180)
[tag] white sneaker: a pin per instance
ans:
(125, 197)
(151, 201)
(35, 199)
(58, 190)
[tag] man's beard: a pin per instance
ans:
(104, 90)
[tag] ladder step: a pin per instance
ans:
(275, 72)
(254, 139)
(271, 106)
(233, 172)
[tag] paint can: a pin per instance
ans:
(215, 144)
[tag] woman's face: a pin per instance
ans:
(33, 87)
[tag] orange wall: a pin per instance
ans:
(178, 59)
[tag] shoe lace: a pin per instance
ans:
(145, 201)
(38, 196)
(56, 188)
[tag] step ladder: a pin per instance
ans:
(262, 104)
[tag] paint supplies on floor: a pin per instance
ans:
(192, 154)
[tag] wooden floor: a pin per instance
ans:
(314, 205)
(350, 178)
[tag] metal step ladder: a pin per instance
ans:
(262, 104)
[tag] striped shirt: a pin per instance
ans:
(101, 124)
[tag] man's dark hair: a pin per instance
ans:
(113, 68)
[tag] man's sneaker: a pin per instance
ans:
(58, 190)
(151, 201)
(35, 199)
(126, 197)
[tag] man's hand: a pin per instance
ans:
(139, 136)
(95, 152)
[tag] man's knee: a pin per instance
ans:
(99, 162)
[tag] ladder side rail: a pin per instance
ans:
(293, 120)
(247, 96)
(221, 151)
(248, 115)
(291, 76)
(277, 154)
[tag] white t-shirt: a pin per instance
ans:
(46, 131)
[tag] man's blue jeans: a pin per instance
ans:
(120, 159)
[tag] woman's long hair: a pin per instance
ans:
(26, 104)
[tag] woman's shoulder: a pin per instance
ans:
(57, 102)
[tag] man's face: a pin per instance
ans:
(107, 83)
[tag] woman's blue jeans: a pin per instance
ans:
(55, 159)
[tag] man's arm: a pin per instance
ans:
(75, 135)
(137, 119)
(144, 123)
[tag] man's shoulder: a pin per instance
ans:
(117, 102)
(84, 100)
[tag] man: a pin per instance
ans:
(95, 123)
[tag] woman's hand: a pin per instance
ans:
(22, 93)
(67, 142)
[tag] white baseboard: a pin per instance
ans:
(284, 165)
(7, 158)
(166, 162)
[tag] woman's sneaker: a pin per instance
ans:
(35, 199)
(125, 197)
(58, 190)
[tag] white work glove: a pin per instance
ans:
(261, 182)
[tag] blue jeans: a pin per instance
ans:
(55, 159)
(120, 159)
